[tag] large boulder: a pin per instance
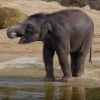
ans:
(79, 3)
(94, 4)
(10, 16)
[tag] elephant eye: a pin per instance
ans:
(29, 26)
(29, 29)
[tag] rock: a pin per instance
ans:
(94, 4)
(10, 16)
(79, 3)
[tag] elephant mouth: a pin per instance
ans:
(22, 39)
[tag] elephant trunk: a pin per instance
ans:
(13, 32)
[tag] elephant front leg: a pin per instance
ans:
(63, 59)
(48, 54)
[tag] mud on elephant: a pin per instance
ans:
(64, 32)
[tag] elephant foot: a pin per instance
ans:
(66, 79)
(49, 78)
(79, 74)
(73, 74)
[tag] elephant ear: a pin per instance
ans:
(45, 28)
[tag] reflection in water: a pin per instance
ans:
(49, 93)
(78, 94)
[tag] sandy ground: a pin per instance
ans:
(16, 60)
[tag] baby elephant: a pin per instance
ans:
(63, 32)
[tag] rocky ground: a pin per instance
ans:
(22, 69)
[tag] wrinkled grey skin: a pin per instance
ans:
(68, 31)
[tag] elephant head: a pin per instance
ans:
(34, 28)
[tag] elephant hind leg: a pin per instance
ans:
(81, 63)
(74, 58)
(82, 54)
(78, 62)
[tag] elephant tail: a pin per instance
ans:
(90, 59)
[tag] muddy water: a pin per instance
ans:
(49, 93)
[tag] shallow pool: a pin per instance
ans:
(49, 92)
